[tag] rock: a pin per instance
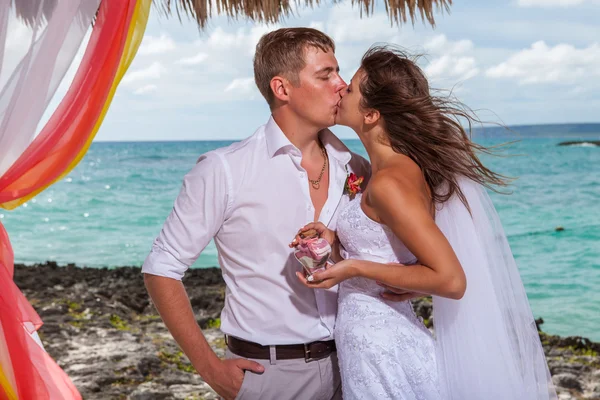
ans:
(151, 391)
(101, 327)
(568, 381)
(170, 378)
(565, 396)
(149, 365)
(184, 392)
(594, 394)
(587, 143)
(87, 387)
(423, 307)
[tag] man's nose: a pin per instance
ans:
(341, 86)
(343, 92)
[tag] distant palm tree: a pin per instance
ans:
(399, 11)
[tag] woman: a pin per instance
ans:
(426, 207)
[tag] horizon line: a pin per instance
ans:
(490, 127)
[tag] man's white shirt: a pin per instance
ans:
(252, 197)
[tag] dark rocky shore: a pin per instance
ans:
(101, 328)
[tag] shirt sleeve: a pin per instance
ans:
(197, 216)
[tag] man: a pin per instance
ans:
(252, 197)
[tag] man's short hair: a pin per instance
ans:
(282, 52)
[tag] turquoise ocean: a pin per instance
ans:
(109, 209)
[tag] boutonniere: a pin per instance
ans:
(352, 186)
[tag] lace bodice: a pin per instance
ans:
(385, 351)
(365, 239)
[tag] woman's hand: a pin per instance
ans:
(396, 294)
(321, 229)
(332, 276)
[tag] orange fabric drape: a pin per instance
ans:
(27, 371)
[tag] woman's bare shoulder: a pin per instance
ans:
(389, 186)
(403, 175)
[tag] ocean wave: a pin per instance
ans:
(155, 157)
(585, 144)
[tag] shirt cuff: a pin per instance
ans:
(162, 263)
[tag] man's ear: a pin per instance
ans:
(371, 117)
(279, 86)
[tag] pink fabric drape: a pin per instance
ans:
(55, 38)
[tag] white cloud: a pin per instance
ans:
(156, 45)
(319, 25)
(242, 39)
(451, 60)
(146, 89)
(448, 60)
(206, 72)
(194, 60)
(344, 25)
(153, 71)
(241, 86)
(224, 57)
(552, 3)
(222, 39)
(449, 67)
(561, 64)
(441, 44)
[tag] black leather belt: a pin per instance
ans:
(309, 351)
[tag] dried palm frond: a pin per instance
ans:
(273, 10)
(37, 11)
(270, 11)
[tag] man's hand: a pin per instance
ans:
(171, 301)
(321, 229)
(394, 294)
(226, 376)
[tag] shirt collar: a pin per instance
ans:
(277, 141)
(335, 147)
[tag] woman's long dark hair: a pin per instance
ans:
(422, 126)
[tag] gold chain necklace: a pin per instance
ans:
(316, 184)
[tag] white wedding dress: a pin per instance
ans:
(486, 344)
(385, 351)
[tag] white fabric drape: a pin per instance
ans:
(29, 79)
(487, 343)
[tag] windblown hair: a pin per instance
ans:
(422, 126)
(282, 52)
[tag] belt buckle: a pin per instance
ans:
(307, 357)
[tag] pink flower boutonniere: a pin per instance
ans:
(352, 186)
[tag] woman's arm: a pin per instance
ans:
(400, 207)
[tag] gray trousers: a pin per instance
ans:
(292, 380)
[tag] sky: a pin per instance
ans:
(517, 62)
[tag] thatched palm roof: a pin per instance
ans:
(399, 11)
(273, 10)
